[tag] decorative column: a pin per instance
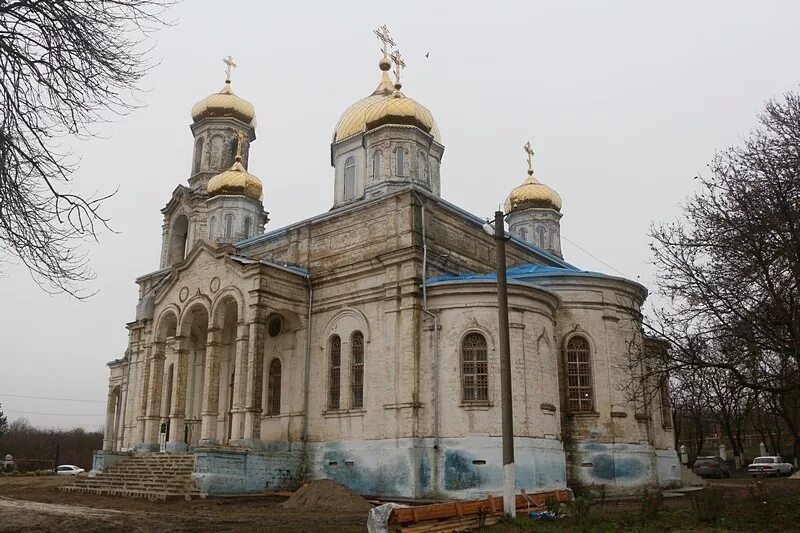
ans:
(177, 416)
(111, 417)
(255, 367)
(153, 415)
(144, 380)
(240, 383)
(210, 401)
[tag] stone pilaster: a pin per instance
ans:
(210, 402)
(177, 416)
(240, 381)
(255, 369)
(111, 416)
(155, 383)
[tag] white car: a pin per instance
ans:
(769, 465)
(69, 470)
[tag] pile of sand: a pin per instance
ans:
(326, 495)
(796, 475)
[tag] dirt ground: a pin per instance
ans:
(36, 504)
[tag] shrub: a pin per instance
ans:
(582, 509)
(652, 502)
(708, 504)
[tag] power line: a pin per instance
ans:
(49, 414)
(48, 398)
(590, 254)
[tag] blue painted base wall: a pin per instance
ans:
(622, 468)
(230, 471)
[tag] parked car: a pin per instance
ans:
(710, 465)
(69, 470)
(770, 465)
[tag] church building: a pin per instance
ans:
(362, 344)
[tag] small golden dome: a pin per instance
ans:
(532, 193)
(386, 105)
(224, 104)
(235, 181)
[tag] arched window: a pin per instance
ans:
(334, 372)
(178, 239)
(216, 152)
(579, 375)
(357, 369)
(198, 155)
(523, 234)
(274, 388)
(228, 226)
(212, 228)
(474, 369)
(376, 164)
(248, 225)
(349, 178)
(666, 406)
(400, 162)
(542, 236)
(234, 148)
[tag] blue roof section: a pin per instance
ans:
(522, 273)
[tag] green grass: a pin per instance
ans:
(772, 506)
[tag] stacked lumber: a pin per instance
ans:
(467, 515)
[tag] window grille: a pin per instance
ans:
(274, 388)
(474, 368)
(579, 376)
(334, 383)
(357, 374)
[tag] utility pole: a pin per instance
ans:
(509, 474)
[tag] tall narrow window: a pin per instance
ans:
(248, 225)
(349, 178)
(376, 164)
(666, 406)
(198, 155)
(228, 225)
(334, 374)
(579, 376)
(274, 388)
(400, 163)
(523, 234)
(542, 236)
(474, 368)
(212, 228)
(357, 374)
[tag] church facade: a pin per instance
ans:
(362, 344)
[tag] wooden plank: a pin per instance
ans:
(445, 511)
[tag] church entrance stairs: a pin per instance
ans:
(150, 476)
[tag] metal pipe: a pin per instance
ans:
(509, 475)
(307, 369)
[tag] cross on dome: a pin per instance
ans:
(229, 66)
(529, 153)
(397, 59)
(383, 35)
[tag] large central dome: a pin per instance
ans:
(386, 105)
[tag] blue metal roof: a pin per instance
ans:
(521, 272)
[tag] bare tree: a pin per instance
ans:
(730, 268)
(64, 66)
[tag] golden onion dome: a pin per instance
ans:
(235, 181)
(224, 104)
(386, 105)
(532, 194)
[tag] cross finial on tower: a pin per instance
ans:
(230, 65)
(397, 59)
(383, 35)
(529, 153)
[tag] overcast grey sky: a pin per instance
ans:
(624, 103)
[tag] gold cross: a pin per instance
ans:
(529, 151)
(230, 65)
(397, 59)
(383, 35)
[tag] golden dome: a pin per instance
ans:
(532, 193)
(224, 104)
(235, 181)
(386, 105)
